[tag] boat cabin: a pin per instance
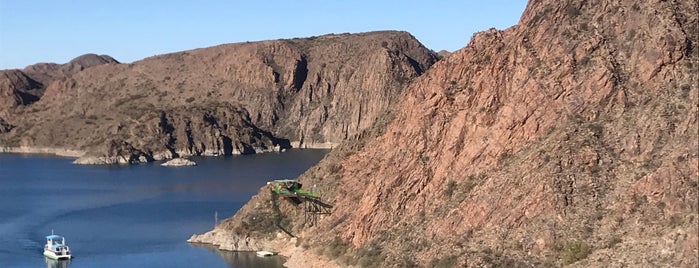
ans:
(55, 240)
(56, 247)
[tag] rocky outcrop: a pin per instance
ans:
(24, 87)
(570, 138)
(158, 135)
(4, 126)
(252, 230)
(16, 89)
(228, 99)
(179, 162)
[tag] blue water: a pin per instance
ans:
(131, 216)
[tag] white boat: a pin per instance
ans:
(56, 248)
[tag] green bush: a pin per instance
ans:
(574, 251)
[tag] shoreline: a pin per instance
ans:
(80, 157)
(43, 150)
(295, 256)
(313, 145)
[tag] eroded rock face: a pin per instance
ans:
(4, 126)
(227, 99)
(210, 131)
(575, 130)
(19, 88)
(16, 88)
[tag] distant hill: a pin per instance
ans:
(24, 87)
(443, 53)
(234, 98)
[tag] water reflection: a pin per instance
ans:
(239, 259)
(51, 263)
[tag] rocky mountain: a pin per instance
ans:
(46, 72)
(233, 98)
(24, 87)
(570, 138)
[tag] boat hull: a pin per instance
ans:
(52, 255)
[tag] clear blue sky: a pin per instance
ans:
(129, 30)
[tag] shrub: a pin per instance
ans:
(449, 189)
(336, 248)
(370, 257)
(446, 262)
(613, 241)
(572, 11)
(575, 251)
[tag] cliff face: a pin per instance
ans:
(20, 88)
(234, 98)
(570, 137)
(16, 88)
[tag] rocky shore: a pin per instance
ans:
(179, 162)
(42, 150)
(282, 244)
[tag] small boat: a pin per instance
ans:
(56, 248)
(265, 253)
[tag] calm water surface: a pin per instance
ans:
(131, 216)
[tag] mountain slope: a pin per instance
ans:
(24, 87)
(569, 138)
(233, 98)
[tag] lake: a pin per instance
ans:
(132, 216)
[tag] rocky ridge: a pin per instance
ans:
(24, 87)
(234, 98)
(570, 138)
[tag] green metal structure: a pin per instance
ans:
(291, 189)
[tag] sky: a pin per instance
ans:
(33, 31)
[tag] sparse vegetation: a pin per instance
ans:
(572, 11)
(336, 248)
(583, 61)
(370, 256)
(473, 181)
(449, 189)
(574, 251)
(613, 241)
(444, 262)
(504, 156)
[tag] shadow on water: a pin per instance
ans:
(240, 259)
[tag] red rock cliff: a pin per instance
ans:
(569, 138)
(578, 125)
